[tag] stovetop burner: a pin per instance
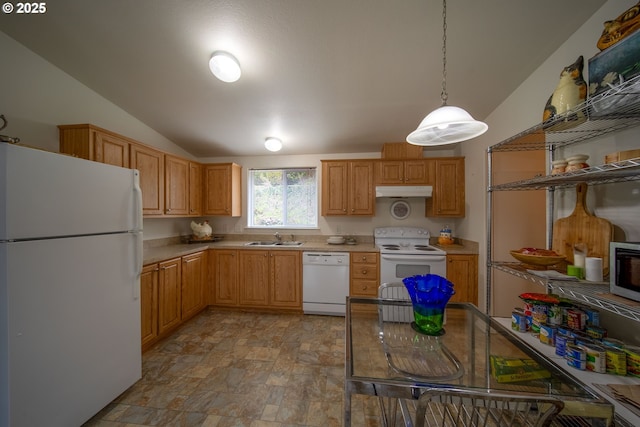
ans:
(405, 240)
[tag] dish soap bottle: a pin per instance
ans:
(445, 236)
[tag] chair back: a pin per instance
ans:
(397, 291)
(462, 408)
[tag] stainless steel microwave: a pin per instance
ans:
(624, 269)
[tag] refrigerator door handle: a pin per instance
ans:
(138, 200)
(138, 243)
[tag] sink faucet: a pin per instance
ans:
(278, 237)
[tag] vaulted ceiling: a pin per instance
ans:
(326, 76)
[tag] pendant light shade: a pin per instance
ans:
(446, 125)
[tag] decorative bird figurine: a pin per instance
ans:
(570, 92)
(201, 231)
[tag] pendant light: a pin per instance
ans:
(447, 124)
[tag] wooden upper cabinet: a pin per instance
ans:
(176, 185)
(111, 150)
(93, 143)
(150, 163)
(449, 189)
(348, 187)
(405, 172)
(223, 190)
(195, 188)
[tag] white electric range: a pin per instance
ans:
(405, 251)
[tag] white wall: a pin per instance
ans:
(522, 110)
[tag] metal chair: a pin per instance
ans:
(457, 408)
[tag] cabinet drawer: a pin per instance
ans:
(367, 288)
(364, 257)
(365, 271)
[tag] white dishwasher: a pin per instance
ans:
(325, 282)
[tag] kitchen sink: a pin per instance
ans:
(289, 243)
(274, 243)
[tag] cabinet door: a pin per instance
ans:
(176, 186)
(195, 189)
(225, 277)
(150, 163)
(253, 277)
(223, 189)
(149, 303)
(449, 190)
(286, 279)
(169, 295)
(390, 172)
(417, 172)
(111, 150)
(193, 284)
(361, 197)
(335, 190)
(462, 271)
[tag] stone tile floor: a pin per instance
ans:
(225, 368)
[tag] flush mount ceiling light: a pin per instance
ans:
(273, 144)
(225, 66)
(446, 125)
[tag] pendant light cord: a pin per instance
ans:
(444, 95)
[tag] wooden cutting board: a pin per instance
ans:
(582, 227)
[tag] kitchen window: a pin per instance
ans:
(283, 198)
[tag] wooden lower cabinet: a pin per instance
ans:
(194, 278)
(364, 270)
(462, 271)
(223, 269)
(149, 304)
(171, 292)
(169, 301)
(285, 274)
(270, 279)
(253, 276)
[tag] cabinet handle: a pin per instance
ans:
(364, 258)
(364, 271)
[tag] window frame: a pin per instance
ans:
(250, 198)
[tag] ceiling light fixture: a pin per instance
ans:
(225, 66)
(446, 125)
(273, 144)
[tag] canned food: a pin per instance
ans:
(596, 359)
(576, 363)
(633, 360)
(564, 330)
(576, 319)
(616, 361)
(612, 342)
(548, 334)
(518, 321)
(574, 351)
(593, 316)
(554, 315)
(582, 338)
(561, 344)
(537, 319)
(596, 332)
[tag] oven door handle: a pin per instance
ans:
(414, 258)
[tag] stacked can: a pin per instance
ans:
(518, 320)
(561, 344)
(596, 359)
(576, 356)
(548, 334)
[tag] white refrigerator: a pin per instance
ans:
(70, 263)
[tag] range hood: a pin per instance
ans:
(404, 191)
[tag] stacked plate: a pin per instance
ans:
(336, 240)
